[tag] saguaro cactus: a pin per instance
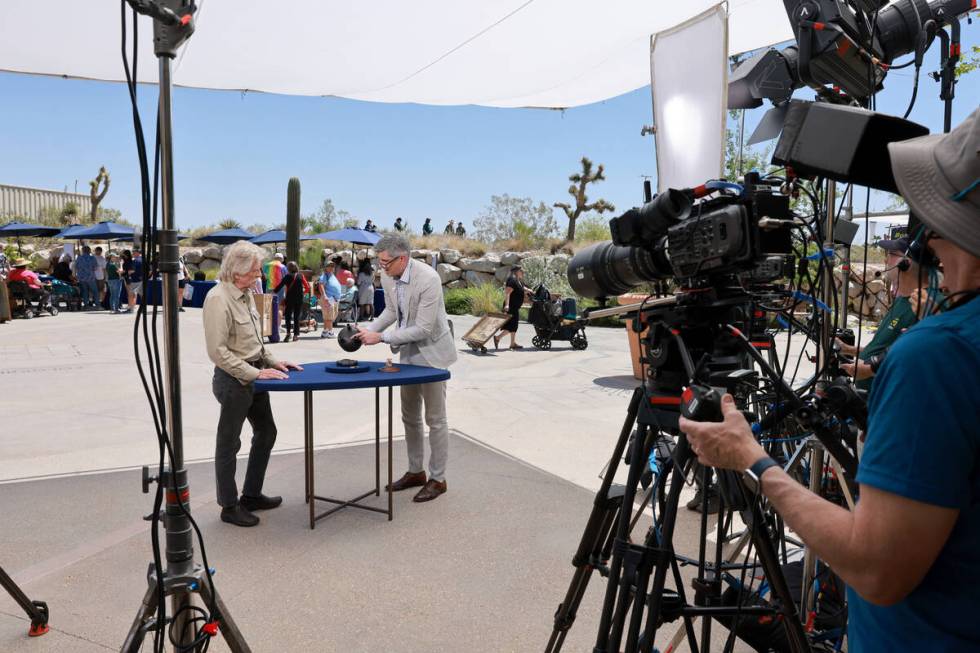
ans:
(292, 220)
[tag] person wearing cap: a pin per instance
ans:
(37, 291)
(427, 227)
(450, 229)
(908, 552)
(909, 278)
(514, 295)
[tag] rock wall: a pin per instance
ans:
(867, 291)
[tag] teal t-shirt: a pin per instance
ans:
(923, 443)
(900, 316)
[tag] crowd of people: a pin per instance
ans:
(337, 285)
(92, 280)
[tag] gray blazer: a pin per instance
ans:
(424, 338)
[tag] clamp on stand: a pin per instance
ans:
(37, 611)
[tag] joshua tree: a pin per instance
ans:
(577, 190)
(292, 220)
(97, 196)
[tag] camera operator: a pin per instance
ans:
(908, 552)
(907, 278)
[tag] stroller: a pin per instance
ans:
(555, 319)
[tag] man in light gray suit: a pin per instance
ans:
(421, 336)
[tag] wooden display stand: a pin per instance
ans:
(263, 304)
(639, 371)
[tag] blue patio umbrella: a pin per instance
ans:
(227, 236)
(25, 229)
(130, 237)
(70, 231)
(350, 235)
(18, 229)
(105, 231)
(276, 236)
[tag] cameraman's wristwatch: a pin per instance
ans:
(752, 477)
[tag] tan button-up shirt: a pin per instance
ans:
(232, 332)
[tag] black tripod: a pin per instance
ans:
(183, 577)
(630, 610)
(37, 611)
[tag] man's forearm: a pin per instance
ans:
(826, 528)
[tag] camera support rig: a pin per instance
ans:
(693, 324)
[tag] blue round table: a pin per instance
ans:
(326, 375)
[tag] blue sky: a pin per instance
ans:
(235, 152)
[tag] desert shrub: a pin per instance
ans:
(485, 298)
(457, 302)
(592, 228)
(476, 300)
(466, 246)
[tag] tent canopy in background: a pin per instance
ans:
(500, 53)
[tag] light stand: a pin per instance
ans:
(172, 25)
(37, 611)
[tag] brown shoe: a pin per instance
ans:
(431, 490)
(407, 481)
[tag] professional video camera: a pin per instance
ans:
(746, 232)
(843, 48)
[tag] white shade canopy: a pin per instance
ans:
(500, 53)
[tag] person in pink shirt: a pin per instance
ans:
(38, 291)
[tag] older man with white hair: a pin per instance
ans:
(234, 343)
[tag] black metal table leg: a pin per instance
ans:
(308, 424)
(377, 443)
(391, 509)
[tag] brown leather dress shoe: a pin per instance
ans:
(408, 480)
(431, 490)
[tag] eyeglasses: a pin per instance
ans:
(386, 264)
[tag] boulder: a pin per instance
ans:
(448, 273)
(421, 253)
(459, 283)
(40, 263)
(502, 273)
(450, 256)
(193, 256)
(487, 264)
(476, 278)
(511, 258)
(208, 264)
(559, 263)
(876, 286)
(213, 252)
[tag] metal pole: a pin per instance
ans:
(180, 541)
(171, 332)
(845, 282)
(827, 292)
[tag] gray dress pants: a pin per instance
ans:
(428, 400)
(238, 403)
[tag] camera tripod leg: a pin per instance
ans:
(682, 452)
(37, 611)
(145, 620)
(597, 537)
(228, 628)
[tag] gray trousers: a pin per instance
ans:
(433, 397)
(238, 403)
